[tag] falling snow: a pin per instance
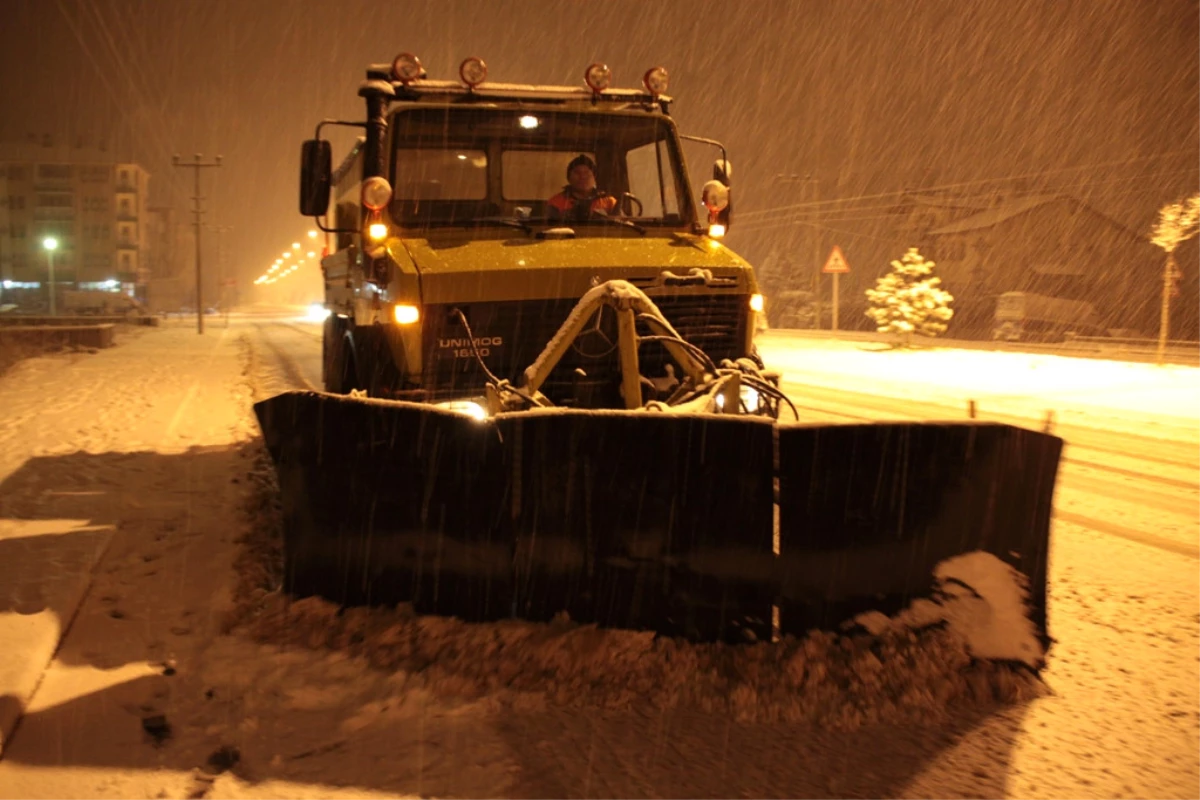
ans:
(1022, 146)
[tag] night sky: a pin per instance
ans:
(1097, 98)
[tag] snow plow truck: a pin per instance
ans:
(542, 399)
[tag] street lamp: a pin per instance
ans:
(50, 244)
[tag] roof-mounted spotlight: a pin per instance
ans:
(598, 77)
(472, 71)
(406, 68)
(655, 81)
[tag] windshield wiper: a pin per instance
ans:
(512, 222)
(624, 223)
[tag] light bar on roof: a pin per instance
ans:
(598, 77)
(655, 81)
(406, 68)
(472, 71)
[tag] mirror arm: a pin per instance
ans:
(713, 142)
(317, 135)
(348, 124)
(321, 225)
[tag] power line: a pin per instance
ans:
(902, 192)
(851, 214)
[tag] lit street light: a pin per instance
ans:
(50, 244)
(312, 234)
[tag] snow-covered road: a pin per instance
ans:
(139, 458)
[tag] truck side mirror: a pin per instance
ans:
(722, 169)
(316, 166)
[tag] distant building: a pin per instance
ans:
(1048, 244)
(92, 204)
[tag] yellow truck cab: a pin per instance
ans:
(450, 260)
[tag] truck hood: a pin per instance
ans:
(463, 271)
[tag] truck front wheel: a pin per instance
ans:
(377, 370)
(337, 358)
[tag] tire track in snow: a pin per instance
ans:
(1124, 532)
(285, 361)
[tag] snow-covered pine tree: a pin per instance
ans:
(909, 300)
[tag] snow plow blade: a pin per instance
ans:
(620, 517)
(597, 514)
(648, 521)
(387, 502)
(868, 511)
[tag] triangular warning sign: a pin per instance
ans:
(837, 262)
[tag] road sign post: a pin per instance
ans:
(835, 265)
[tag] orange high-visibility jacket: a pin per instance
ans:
(565, 202)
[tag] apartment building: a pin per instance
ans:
(91, 205)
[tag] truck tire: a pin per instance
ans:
(337, 357)
(377, 372)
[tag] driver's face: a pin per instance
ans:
(581, 178)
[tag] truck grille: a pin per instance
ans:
(510, 335)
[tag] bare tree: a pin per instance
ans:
(1177, 222)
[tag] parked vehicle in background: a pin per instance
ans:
(1027, 317)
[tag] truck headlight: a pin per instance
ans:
(469, 407)
(406, 314)
(757, 303)
(748, 396)
(377, 231)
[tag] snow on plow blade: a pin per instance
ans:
(646, 520)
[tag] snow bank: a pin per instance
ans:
(983, 601)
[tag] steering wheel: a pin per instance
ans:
(626, 203)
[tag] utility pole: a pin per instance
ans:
(197, 165)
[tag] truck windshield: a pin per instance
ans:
(457, 166)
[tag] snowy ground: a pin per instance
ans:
(1118, 395)
(143, 460)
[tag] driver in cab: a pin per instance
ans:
(580, 198)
